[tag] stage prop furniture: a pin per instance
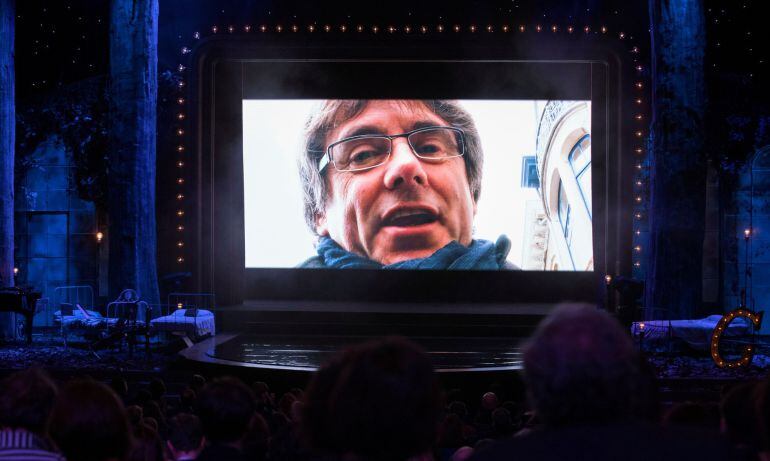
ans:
(21, 301)
(696, 333)
(191, 316)
(127, 318)
(651, 323)
(76, 310)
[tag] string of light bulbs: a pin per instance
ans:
(638, 129)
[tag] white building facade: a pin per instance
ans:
(559, 236)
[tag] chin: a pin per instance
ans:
(399, 256)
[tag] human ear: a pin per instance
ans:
(320, 225)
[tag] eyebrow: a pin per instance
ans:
(375, 130)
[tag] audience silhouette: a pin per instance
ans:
(590, 396)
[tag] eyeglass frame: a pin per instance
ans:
(327, 158)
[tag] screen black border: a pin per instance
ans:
(230, 71)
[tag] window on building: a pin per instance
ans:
(565, 219)
(529, 172)
(580, 162)
(564, 212)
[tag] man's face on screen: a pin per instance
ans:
(404, 209)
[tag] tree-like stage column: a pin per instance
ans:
(132, 169)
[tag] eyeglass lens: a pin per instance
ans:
(370, 151)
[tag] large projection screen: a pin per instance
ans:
(549, 131)
(545, 232)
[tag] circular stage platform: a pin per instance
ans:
(306, 353)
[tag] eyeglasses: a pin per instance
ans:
(363, 152)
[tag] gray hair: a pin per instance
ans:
(334, 112)
(580, 367)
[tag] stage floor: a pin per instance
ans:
(540, 309)
(306, 353)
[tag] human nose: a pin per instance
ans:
(403, 167)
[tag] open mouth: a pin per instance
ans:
(410, 218)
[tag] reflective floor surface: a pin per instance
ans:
(308, 352)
